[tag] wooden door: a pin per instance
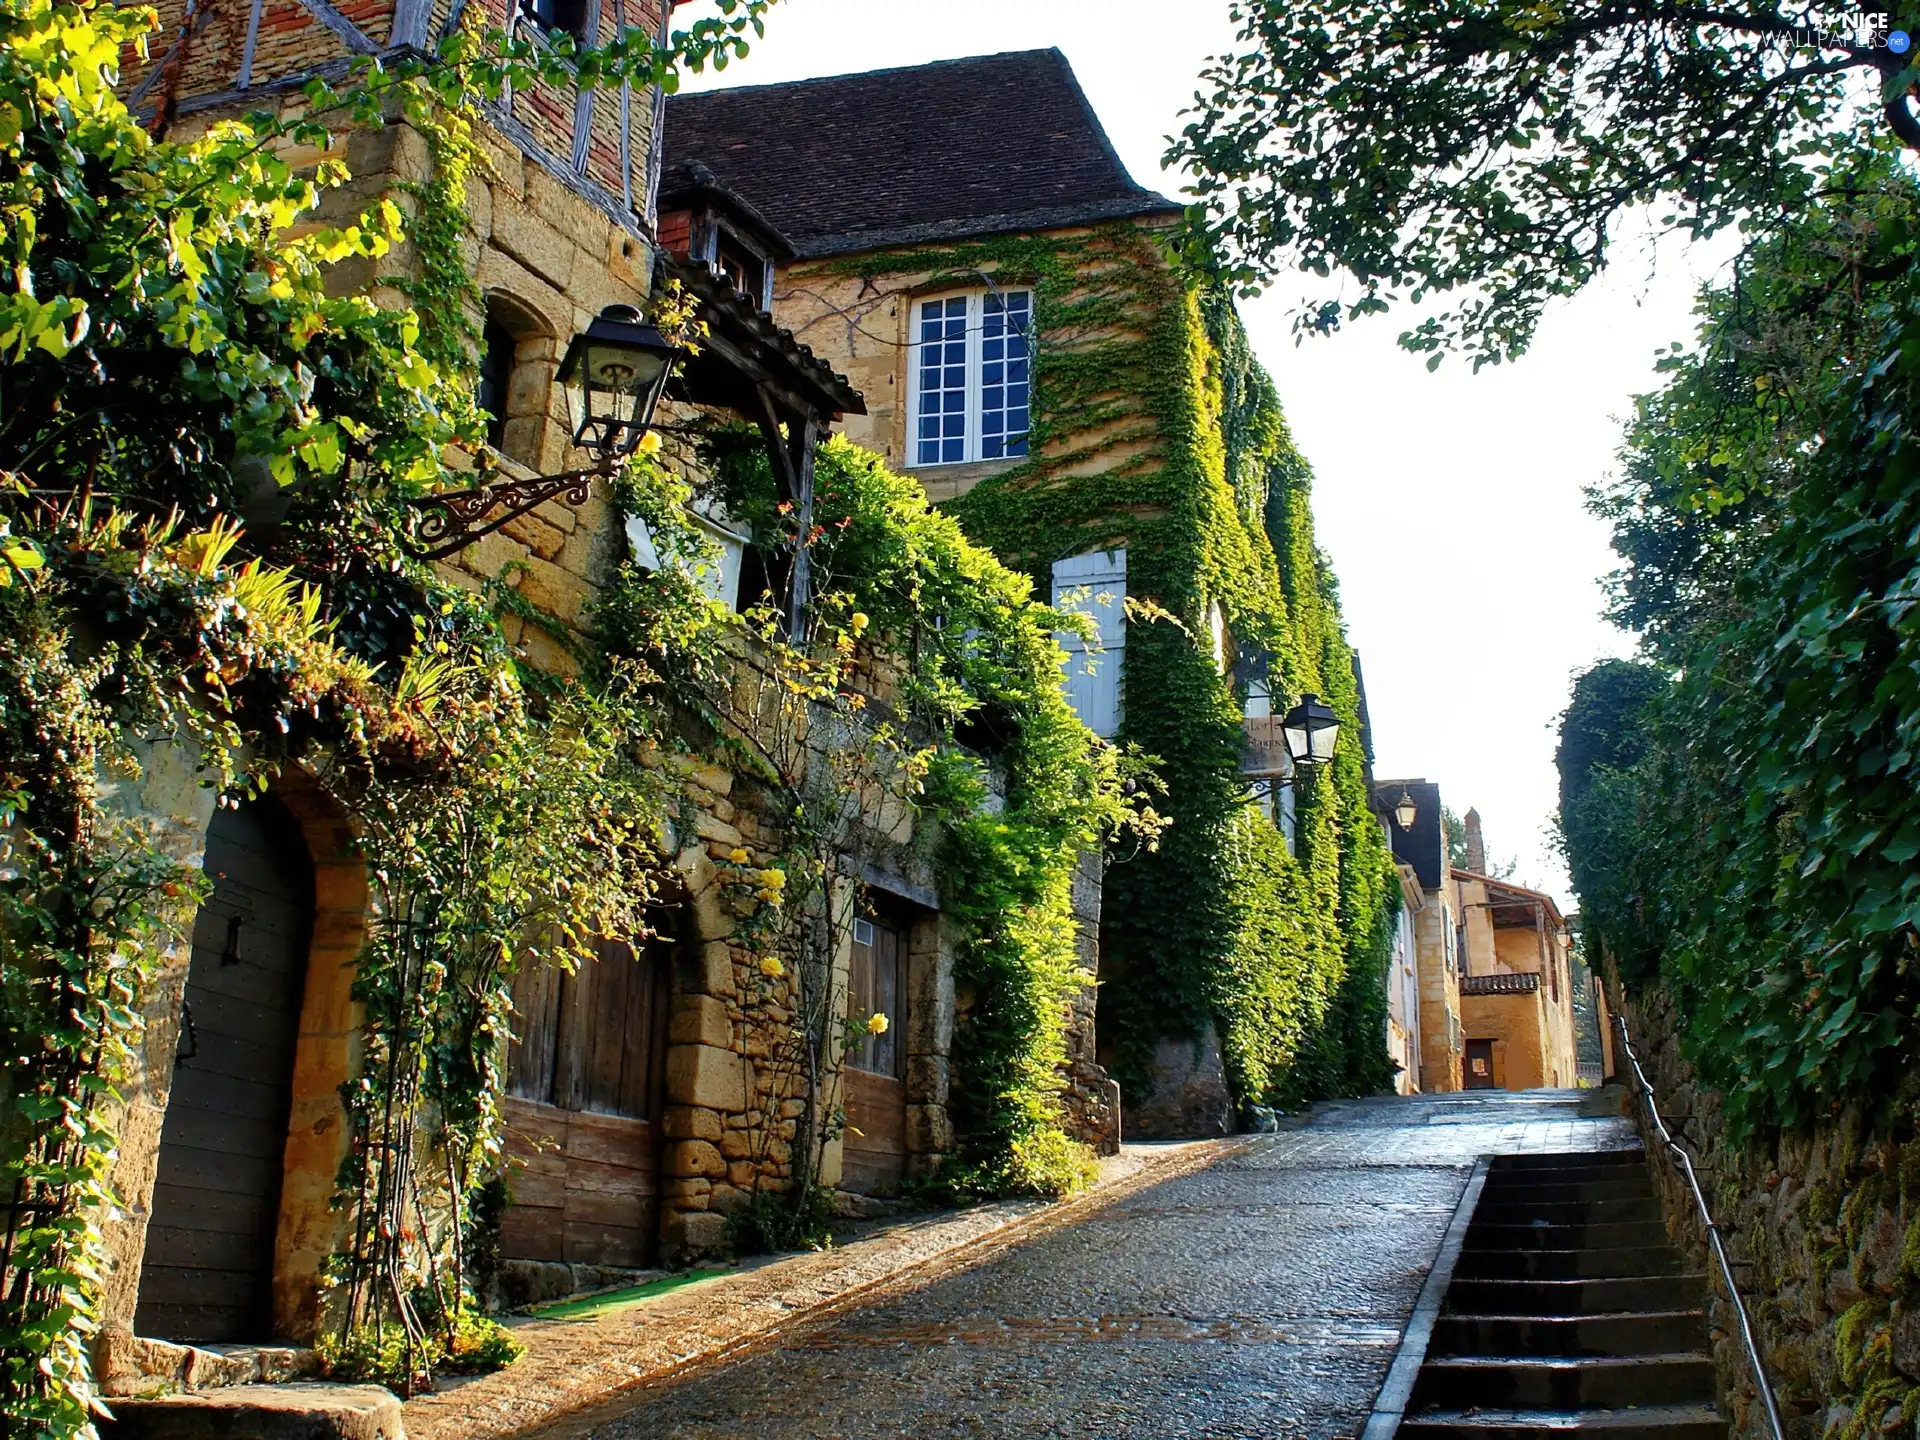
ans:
(1478, 1065)
(874, 1150)
(208, 1271)
(583, 1110)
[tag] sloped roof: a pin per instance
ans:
(1504, 895)
(983, 146)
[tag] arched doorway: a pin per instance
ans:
(207, 1274)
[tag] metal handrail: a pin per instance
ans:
(1714, 1241)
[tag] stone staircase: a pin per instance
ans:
(1569, 1313)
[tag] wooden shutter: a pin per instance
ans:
(1095, 584)
(590, 1041)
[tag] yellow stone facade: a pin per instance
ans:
(555, 237)
(1514, 931)
(860, 322)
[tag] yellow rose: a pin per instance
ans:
(774, 879)
(771, 967)
(737, 855)
(650, 443)
(876, 1024)
(859, 622)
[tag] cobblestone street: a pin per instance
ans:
(1261, 1296)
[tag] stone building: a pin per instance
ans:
(1516, 986)
(941, 233)
(1403, 983)
(641, 1111)
(1433, 915)
(1491, 961)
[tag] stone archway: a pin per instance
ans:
(317, 1047)
(326, 1055)
(208, 1263)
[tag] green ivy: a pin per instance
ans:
(1154, 428)
(174, 358)
(1012, 789)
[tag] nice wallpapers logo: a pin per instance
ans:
(1870, 32)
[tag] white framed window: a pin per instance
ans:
(719, 573)
(1095, 585)
(970, 377)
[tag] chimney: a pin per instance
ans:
(1476, 845)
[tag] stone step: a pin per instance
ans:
(1576, 1297)
(1662, 1332)
(1570, 1175)
(1520, 1192)
(1564, 1383)
(1518, 1210)
(309, 1410)
(1593, 1235)
(1642, 1422)
(1569, 1264)
(1578, 1160)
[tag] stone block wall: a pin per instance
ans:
(1823, 1227)
(1518, 1030)
(1092, 1095)
(1440, 1029)
(860, 321)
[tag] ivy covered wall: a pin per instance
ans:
(1155, 429)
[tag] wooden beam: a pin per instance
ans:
(800, 605)
(355, 38)
(245, 77)
(792, 458)
(411, 19)
(583, 102)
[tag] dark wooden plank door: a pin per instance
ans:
(208, 1271)
(583, 1110)
(1477, 1065)
(874, 1149)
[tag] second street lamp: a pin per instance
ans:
(1406, 812)
(1311, 730)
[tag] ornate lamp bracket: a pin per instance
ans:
(453, 519)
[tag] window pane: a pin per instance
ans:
(1003, 393)
(940, 382)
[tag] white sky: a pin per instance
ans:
(1450, 502)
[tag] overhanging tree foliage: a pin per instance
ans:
(1477, 155)
(1741, 821)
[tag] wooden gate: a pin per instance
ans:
(874, 1150)
(583, 1110)
(208, 1270)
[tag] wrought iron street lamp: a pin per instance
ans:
(1311, 730)
(613, 374)
(1406, 812)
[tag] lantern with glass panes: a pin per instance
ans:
(1406, 812)
(614, 374)
(1311, 730)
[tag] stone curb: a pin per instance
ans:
(1390, 1406)
(575, 1371)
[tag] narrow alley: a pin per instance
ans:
(1260, 1296)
